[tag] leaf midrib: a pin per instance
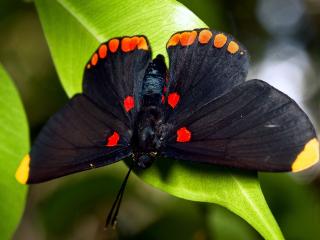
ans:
(245, 194)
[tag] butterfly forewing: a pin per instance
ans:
(113, 76)
(204, 64)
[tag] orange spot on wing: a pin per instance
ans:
(113, 140)
(88, 66)
(125, 44)
(205, 36)
(94, 59)
(173, 99)
(174, 40)
(113, 45)
(183, 135)
(128, 103)
(233, 47)
(187, 38)
(134, 41)
(143, 45)
(103, 51)
(219, 40)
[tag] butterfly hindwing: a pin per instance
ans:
(113, 76)
(253, 126)
(79, 137)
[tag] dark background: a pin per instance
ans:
(283, 38)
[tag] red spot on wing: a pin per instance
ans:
(128, 103)
(183, 135)
(173, 99)
(162, 99)
(113, 140)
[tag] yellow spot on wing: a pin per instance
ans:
(22, 173)
(143, 45)
(308, 157)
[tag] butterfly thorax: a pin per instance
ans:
(150, 128)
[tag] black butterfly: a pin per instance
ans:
(200, 109)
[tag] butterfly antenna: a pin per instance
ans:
(113, 213)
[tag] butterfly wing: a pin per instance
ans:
(248, 125)
(75, 139)
(95, 128)
(254, 126)
(203, 65)
(113, 77)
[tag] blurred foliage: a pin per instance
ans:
(14, 138)
(296, 205)
(24, 53)
(148, 213)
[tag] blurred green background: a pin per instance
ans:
(283, 39)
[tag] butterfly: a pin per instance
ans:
(199, 109)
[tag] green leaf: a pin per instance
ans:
(237, 228)
(14, 139)
(74, 30)
(239, 191)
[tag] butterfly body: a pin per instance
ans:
(150, 127)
